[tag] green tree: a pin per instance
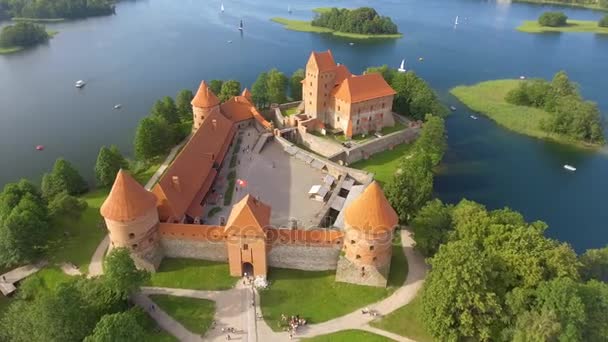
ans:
(216, 86)
(64, 204)
(153, 137)
(604, 21)
(63, 177)
(109, 161)
(259, 91)
(277, 86)
(229, 89)
(414, 97)
(553, 19)
(411, 186)
(118, 327)
(364, 20)
(295, 84)
(594, 264)
(167, 110)
(386, 72)
(432, 139)
(121, 274)
(431, 227)
(183, 103)
(22, 34)
(537, 326)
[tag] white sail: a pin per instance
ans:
(402, 66)
(456, 22)
(222, 7)
(288, 8)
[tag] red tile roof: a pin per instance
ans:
(127, 200)
(204, 97)
(323, 60)
(362, 88)
(371, 211)
(342, 73)
(248, 217)
(237, 109)
(178, 191)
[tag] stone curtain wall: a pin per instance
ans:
(193, 241)
(377, 145)
(320, 145)
(302, 257)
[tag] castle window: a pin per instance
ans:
(245, 247)
(357, 121)
(131, 236)
(134, 246)
(324, 103)
(325, 85)
(382, 105)
(202, 117)
(372, 108)
(374, 259)
(151, 240)
(338, 119)
(310, 93)
(371, 248)
(311, 84)
(358, 256)
(310, 102)
(338, 108)
(352, 242)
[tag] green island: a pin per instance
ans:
(54, 10)
(22, 35)
(537, 108)
(601, 5)
(345, 23)
(532, 26)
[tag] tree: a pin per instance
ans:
(166, 109)
(537, 326)
(153, 137)
(63, 177)
(118, 327)
(386, 72)
(64, 204)
(121, 274)
(184, 107)
(216, 86)
(594, 264)
(364, 20)
(109, 161)
(229, 89)
(432, 139)
(259, 91)
(414, 97)
(277, 86)
(431, 227)
(23, 34)
(604, 21)
(411, 186)
(553, 19)
(295, 84)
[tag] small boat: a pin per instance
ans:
(452, 108)
(473, 117)
(420, 59)
(569, 168)
(456, 21)
(222, 7)
(288, 9)
(351, 43)
(39, 147)
(80, 84)
(522, 77)
(230, 41)
(402, 66)
(241, 25)
(117, 106)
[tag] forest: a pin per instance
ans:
(579, 3)
(364, 20)
(23, 35)
(55, 9)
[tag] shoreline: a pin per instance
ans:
(305, 26)
(13, 49)
(487, 99)
(557, 3)
(575, 26)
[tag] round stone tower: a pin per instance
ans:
(204, 103)
(369, 223)
(132, 219)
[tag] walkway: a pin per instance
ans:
(165, 164)
(96, 265)
(8, 279)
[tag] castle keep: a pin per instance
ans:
(170, 220)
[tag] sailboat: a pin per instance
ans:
(288, 9)
(241, 25)
(222, 7)
(456, 21)
(402, 66)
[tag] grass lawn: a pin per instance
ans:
(4, 303)
(384, 164)
(194, 314)
(39, 20)
(349, 336)
(193, 274)
(305, 26)
(317, 297)
(532, 26)
(289, 111)
(144, 175)
(488, 98)
(405, 321)
(154, 333)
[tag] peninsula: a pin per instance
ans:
(559, 22)
(360, 23)
(538, 108)
(22, 35)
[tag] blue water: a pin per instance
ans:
(155, 48)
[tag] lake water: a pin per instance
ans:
(155, 48)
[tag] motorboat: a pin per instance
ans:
(351, 43)
(452, 108)
(420, 59)
(473, 117)
(39, 147)
(80, 84)
(117, 106)
(230, 41)
(569, 167)
(402, 66)
(522, 77)
(241, 25)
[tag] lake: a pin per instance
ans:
(154, 48)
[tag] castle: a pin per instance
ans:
(350, 104)
(168, 221)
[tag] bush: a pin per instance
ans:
(604, 21)
(553, 19)
(364, 20)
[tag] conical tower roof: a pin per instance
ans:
(371, 211)
(248, 217)
(127, 200)
(247, 94)
(204, 97)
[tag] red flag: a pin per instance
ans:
(241, 182)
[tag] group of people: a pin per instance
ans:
(366, 311)
(294, 323)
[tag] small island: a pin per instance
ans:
(551, 110)
(601, 5)
(22, 35)
(53, 10)
(559, 22)
(360, 23)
